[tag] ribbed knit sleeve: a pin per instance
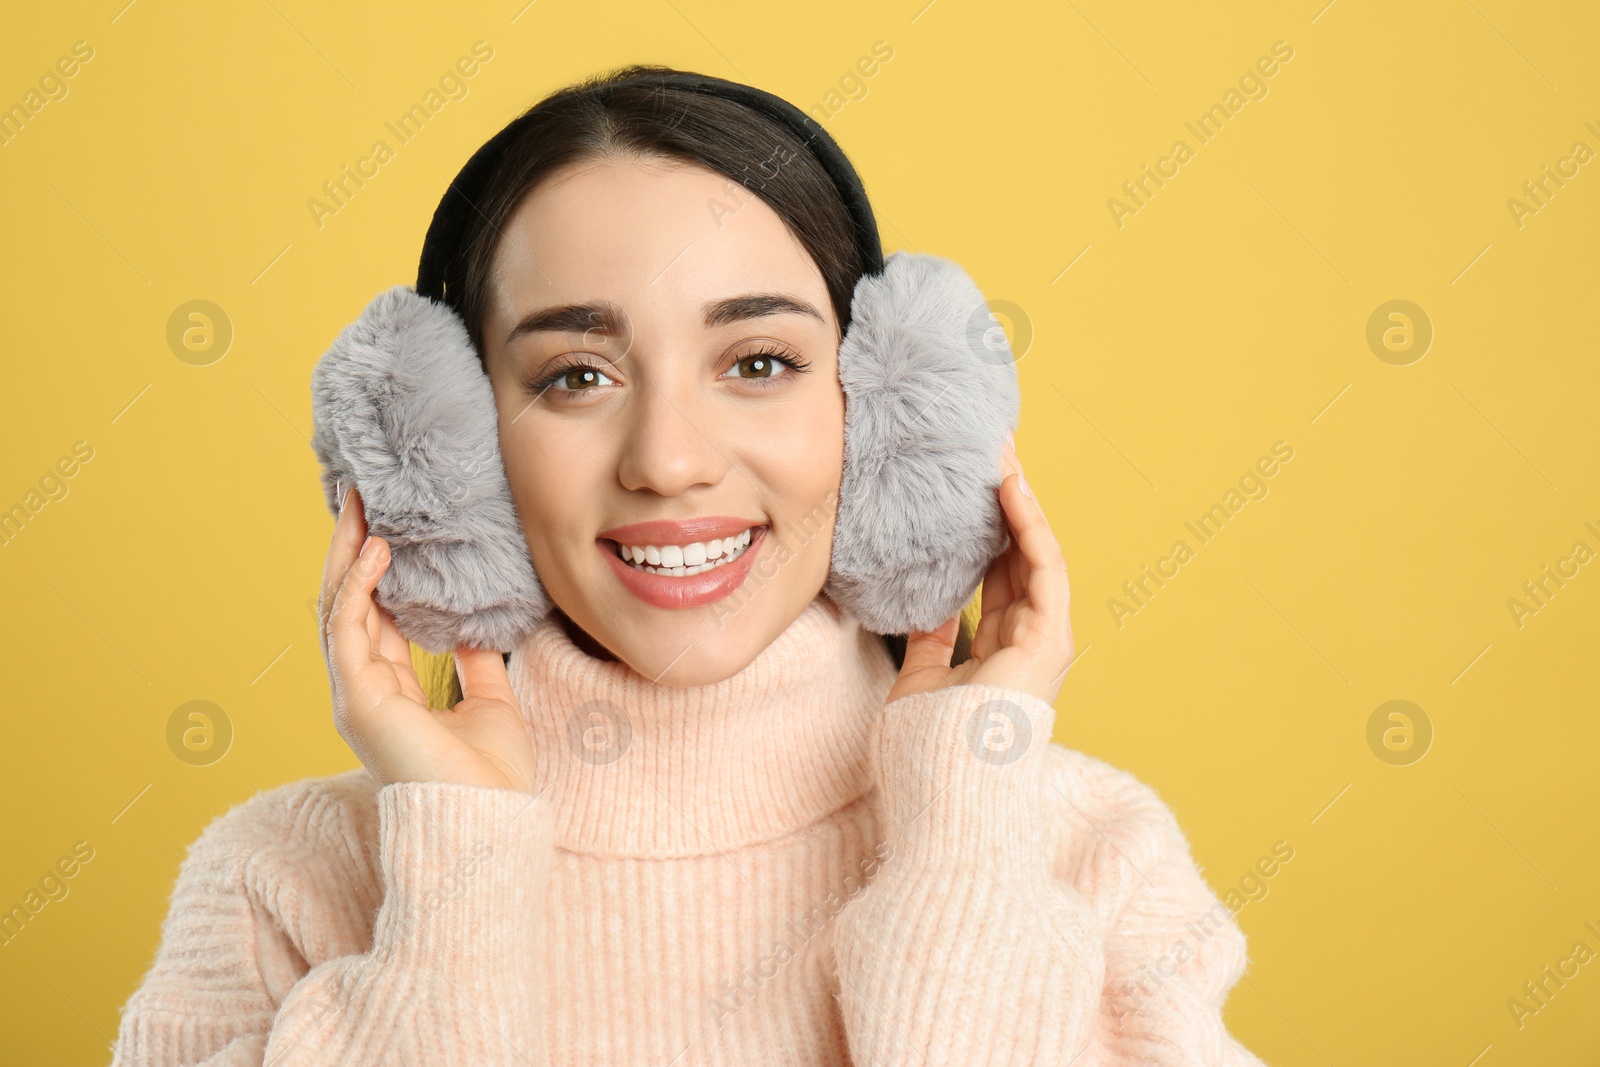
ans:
(999, 930)
(1173, 950)
(444, 975)
(964, 949)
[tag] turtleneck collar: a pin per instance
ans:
(635, 768)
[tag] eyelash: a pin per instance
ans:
(794, 362)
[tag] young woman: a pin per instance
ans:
(700, 815)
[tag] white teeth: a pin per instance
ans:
(684, 560)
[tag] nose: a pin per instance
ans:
(671, 443)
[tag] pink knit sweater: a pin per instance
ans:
(773, 869)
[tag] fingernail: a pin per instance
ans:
(338, 492)
(1022, 481)
(364, 545)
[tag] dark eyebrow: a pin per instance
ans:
(605, 317)
(600, 316)
(755, 306)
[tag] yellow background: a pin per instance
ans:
(1229, 313)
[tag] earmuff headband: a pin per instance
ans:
(465, 194)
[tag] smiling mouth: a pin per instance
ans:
(684, 561)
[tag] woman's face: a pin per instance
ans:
(639, 319)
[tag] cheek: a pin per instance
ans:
(803, 460)
(548, 479)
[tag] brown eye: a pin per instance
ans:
(572, 378)
(580, 378)
(768, 365)
(760, 366)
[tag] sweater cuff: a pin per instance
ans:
(464, 875)
(962, 771)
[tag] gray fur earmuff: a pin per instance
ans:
(404, 412)
(930, 391)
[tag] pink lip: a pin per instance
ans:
(678, 532)
(664, 591)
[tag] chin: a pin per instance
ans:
(699, 649)
(692, 647)
(687, 646)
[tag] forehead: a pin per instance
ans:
(652, 233)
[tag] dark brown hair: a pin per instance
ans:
(599, 119)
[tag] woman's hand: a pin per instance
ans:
(379, 707)
(1024, 636)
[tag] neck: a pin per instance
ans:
(634, 768)
(582, 639)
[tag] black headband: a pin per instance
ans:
(441, 245)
